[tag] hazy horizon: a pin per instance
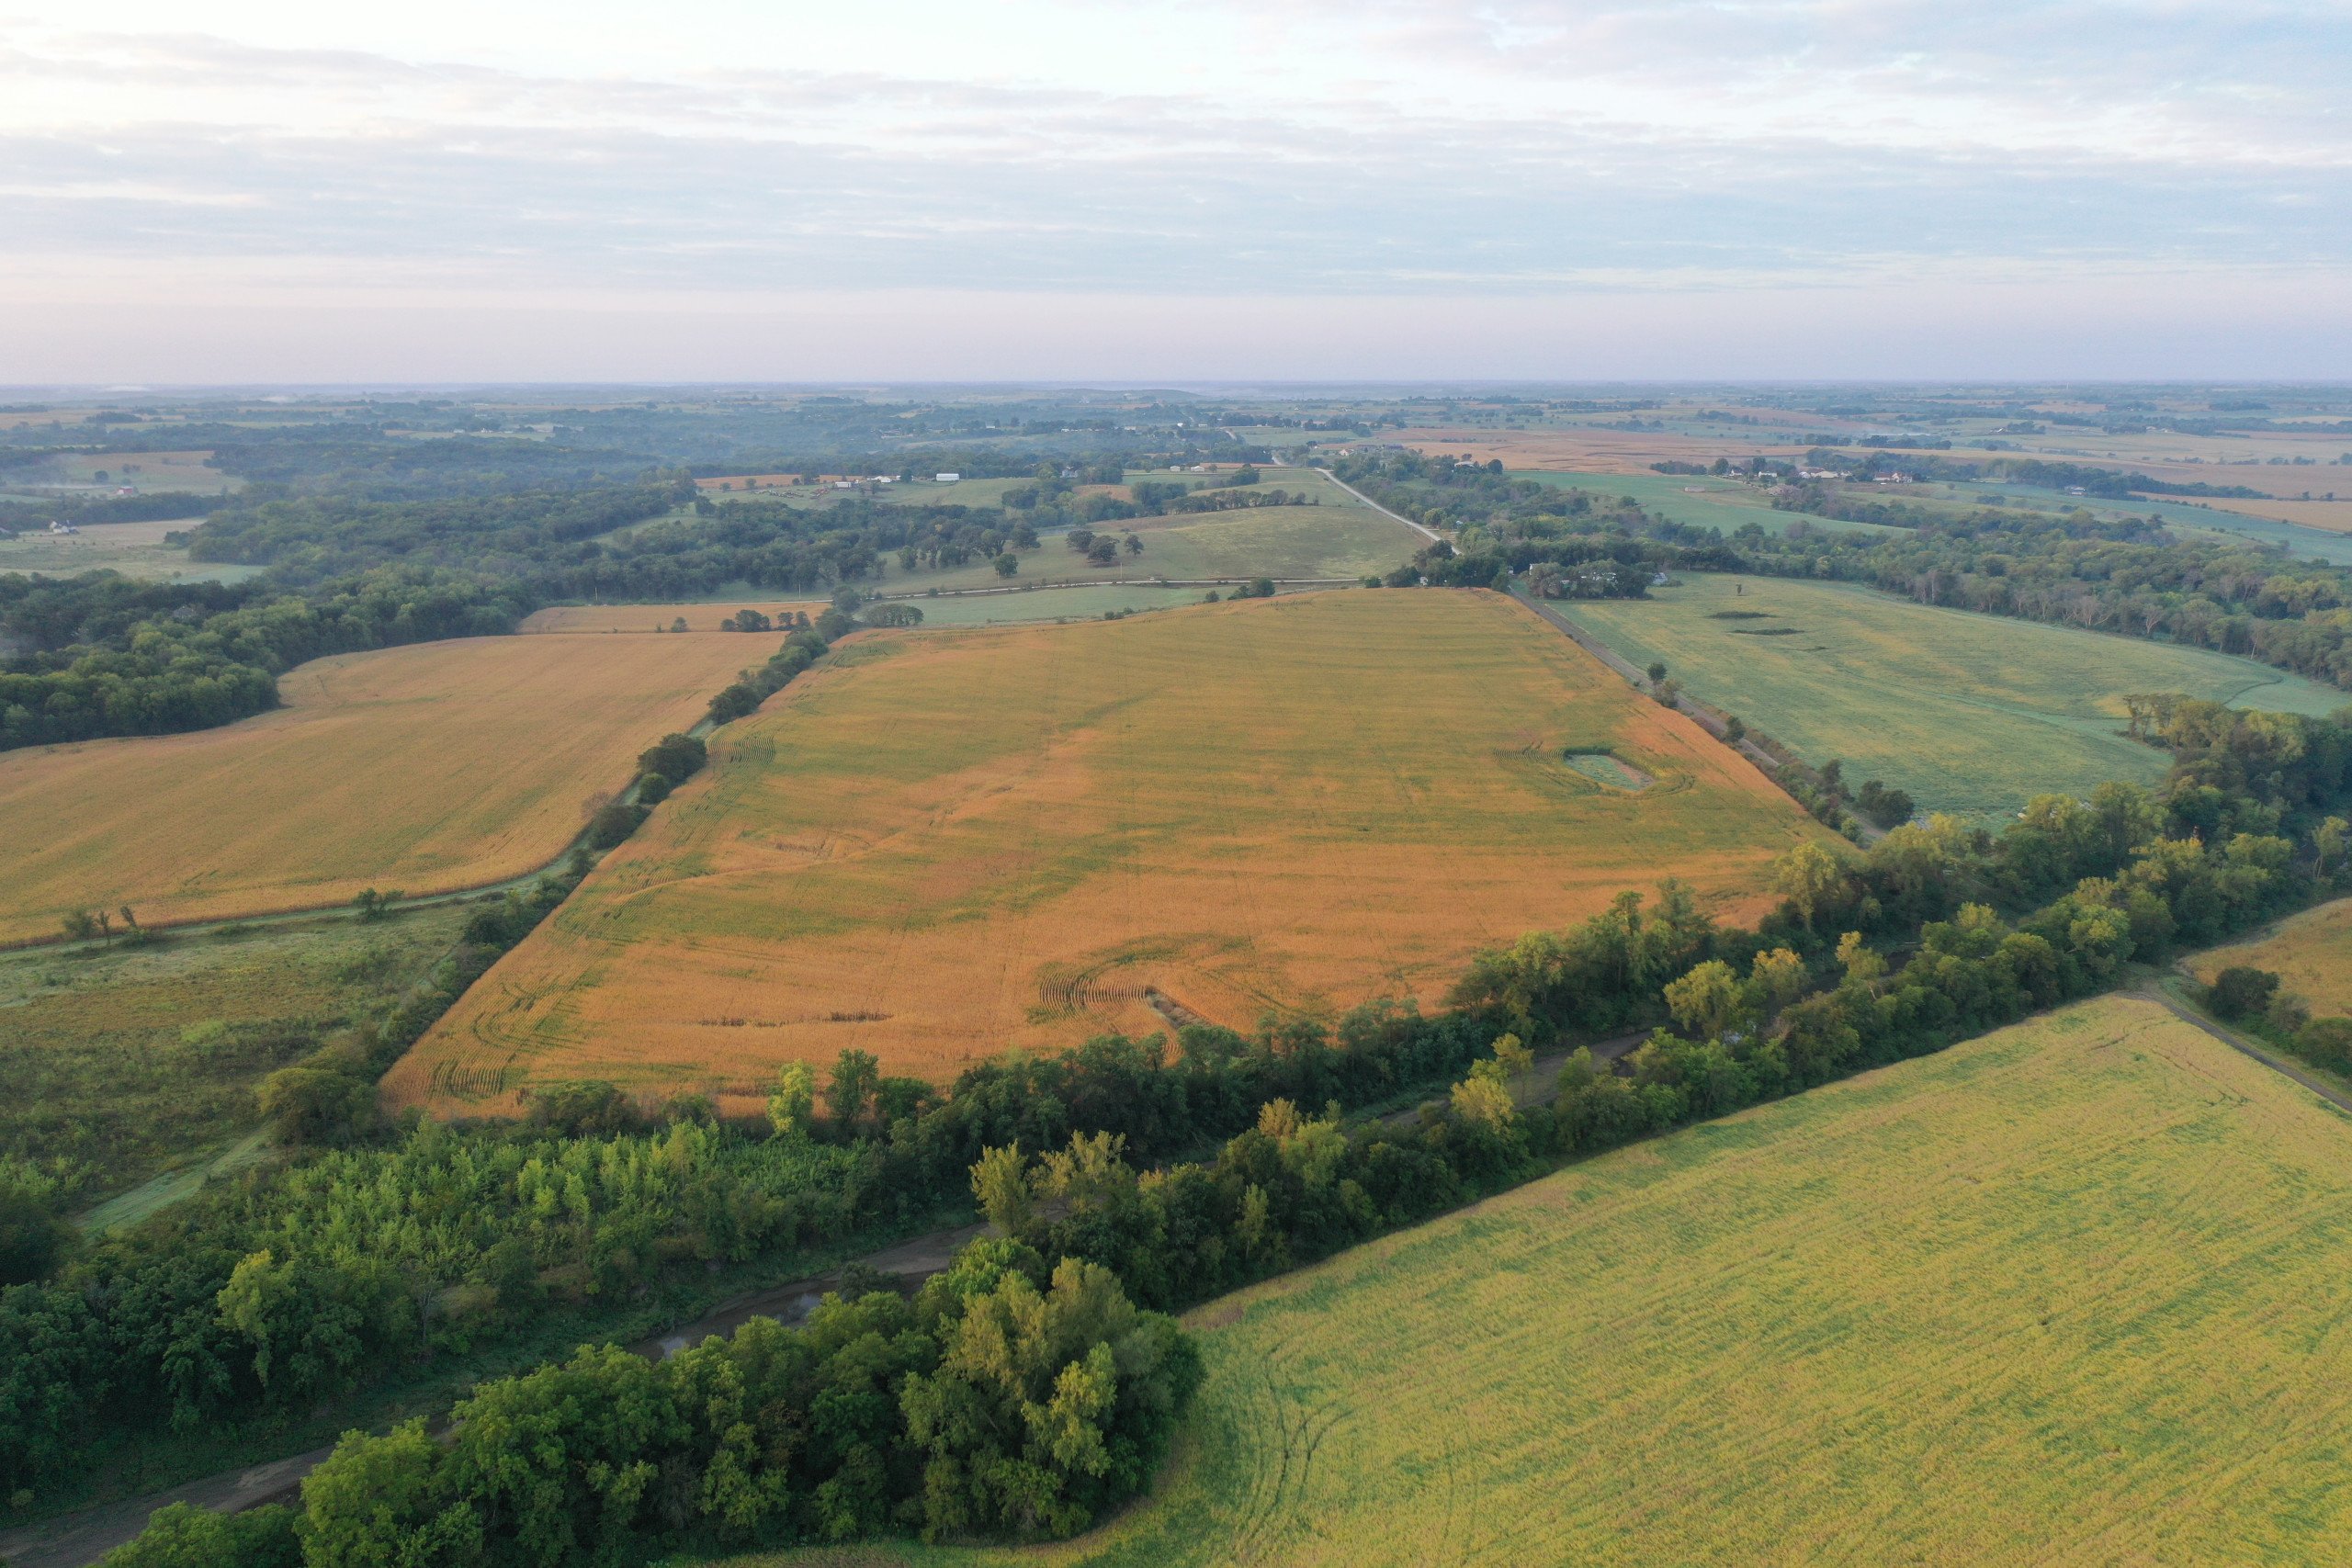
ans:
(905, 192)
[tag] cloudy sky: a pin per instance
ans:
(1544, 188)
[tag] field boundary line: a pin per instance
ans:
(1426, 532)
(1690, 708)
(2237, 1041)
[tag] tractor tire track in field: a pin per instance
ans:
(1292, 1433)
(2237, 1041)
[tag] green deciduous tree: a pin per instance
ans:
(849, 1092)
(792, 1105)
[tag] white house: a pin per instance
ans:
(945, 479)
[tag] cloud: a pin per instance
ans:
(1298, 149)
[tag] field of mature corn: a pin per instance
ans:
(2076, 1292)
(940, 844)
(1970, 714)
(438, 766)
(2310, 953)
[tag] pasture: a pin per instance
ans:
(940, 844)
(2076, 1292)
(134, 1058)
(1971, 714)
(700, 615)
(1084, 602)
(439, 766)
(134, 549)
(1336, 538)
(1701, 500)
(2309, 952)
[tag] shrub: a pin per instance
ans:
(2241, 991)
(612, 823)
(2327, 1042)
(184, 1535)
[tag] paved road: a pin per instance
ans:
(2237, 1041)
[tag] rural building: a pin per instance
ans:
(946, 478)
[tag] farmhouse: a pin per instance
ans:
(948, 478)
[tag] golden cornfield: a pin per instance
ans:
(439, 766)
(939, 844)
(2310, 953)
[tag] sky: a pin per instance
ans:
(1287, 189)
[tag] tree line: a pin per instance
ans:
(1868, 960)
(1937, 932)
(2132, 576)
(134, 668)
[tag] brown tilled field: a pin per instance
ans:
(441, 766)
(940, 844)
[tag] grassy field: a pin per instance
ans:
(137, 1058)
(134, 549)
(1088, 602)
(1701, 500)
(1970, 714)
(943, 843)
(2076, 1292)
(444, 765)
(1339, 537)
(2310, 953)
(701, 615)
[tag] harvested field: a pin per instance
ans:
(2310, 953)
(942, 844)
(1971, 714)
(2334, 516)
(2075, 1293)
(439, 766)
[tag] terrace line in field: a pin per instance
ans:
(941, 844)
(2072, 1292)
(437, 766)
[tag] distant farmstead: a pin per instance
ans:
(946, 478)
